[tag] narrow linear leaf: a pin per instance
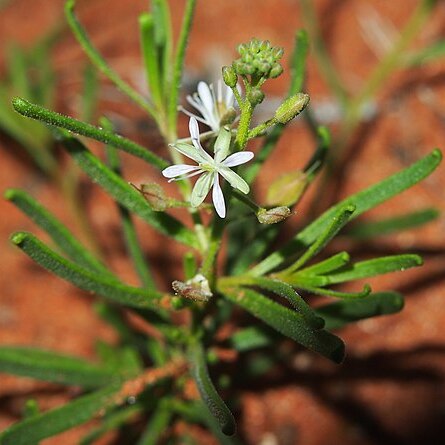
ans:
(133, 245)
(250, 338)
(392, 225)
(289, 323)
(42, 114)
(53, 367)
(60, 419)
(363, 200)
(436, 51)
(60, 234)
(338, 221)
(151, 57)
(286, 291)
(112, 422)
(298, 62)
(99, 61)
(163, 39)
(84, 278)
(328, 265)
(90, 93)
(208, 392)
(378, 266)
(178, 64)
(334, 293)
(158, 424)
(126, 195)
(341, 313)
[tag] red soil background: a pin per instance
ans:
(390, 389)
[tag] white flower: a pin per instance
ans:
(209, 168)
(214, 107)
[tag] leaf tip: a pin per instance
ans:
(18, 238)
(10, 194)
(19, 104)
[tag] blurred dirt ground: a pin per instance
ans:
(391, 389)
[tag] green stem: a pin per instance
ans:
(327, 69)
(242, 135)
(100, 63)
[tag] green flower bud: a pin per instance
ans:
(230, 77)
(273, 216)
(291, 107)
(255, 96)
(276, 71)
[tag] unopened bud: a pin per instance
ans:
(276, 71)
(255, 96)
(287, 189)
(273, 216)
(291, 107)
(229, 76)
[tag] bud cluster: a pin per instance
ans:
(259, 59)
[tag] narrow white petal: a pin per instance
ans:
(218, 198)
(178, 170)
(201, 189)
(191, 152)
(238, 158)
(190, 175)
(189, 114)
(194, 134)
(236, 181)
(229, 97)
(206, 96)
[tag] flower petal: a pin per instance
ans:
(238, 158)
(222, 144)
(234, 180)
(194, 134)
(178, 170)
(201, 189)
(206, 96)
(190, 151)
(218, 198)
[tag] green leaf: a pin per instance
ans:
(60, 419)
(99, 61)
(112, 422)
(178, 63)
(284, 290)
(365, 230)
(208, 392)
(328, 265)
(341, 313)
(60, 234)
(86, 279)
(126, 195)
(250, 338)
(377, 266)
(53, 367)
(151, 57)
(289, 323)
(158, 424)
(90, 93)
(133, 245)
(298, 62)
(363, 200)
(334, 293)
(338, 221)
(427, 55)
(52, 118)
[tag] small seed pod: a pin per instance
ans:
(291, 107)
(273, 216)
(196, 289)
